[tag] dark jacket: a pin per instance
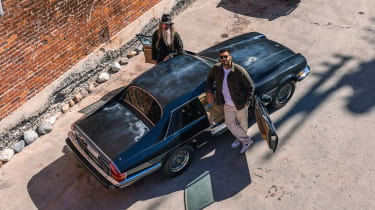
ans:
(160, 53)
(240, 85)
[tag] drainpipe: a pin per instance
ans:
(1, 9)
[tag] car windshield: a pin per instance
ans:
(144, 103)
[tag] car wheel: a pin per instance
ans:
(178, 161)
(283, 94)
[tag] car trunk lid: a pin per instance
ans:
(112, 130)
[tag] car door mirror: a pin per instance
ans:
(266, 99)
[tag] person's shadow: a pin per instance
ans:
(66, 184)
(267, 9)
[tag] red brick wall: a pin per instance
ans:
(42, 39)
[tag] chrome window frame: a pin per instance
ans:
(143, 114)
(170, 121)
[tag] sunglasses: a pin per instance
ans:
(224, 56)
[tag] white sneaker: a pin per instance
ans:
(235, 144)
(246, 146)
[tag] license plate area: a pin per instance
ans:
(92, 152)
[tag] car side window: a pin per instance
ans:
(185, 115)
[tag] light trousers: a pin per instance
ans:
(236, 121)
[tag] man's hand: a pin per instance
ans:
(166, 58)
(210, 98)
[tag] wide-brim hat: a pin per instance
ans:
(166, 19)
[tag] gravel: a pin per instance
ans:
(80, 80)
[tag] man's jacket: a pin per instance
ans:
(240, 85)
(163, 50)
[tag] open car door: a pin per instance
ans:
(266, 127)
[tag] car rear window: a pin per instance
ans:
(144, 103)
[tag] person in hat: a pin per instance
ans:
(165, 40)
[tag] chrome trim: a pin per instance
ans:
(91, 142)
(73, 140)
(127, 181)
(147, 92)
(138, 176)
(170, 119)
(306, 71)
(217, 130)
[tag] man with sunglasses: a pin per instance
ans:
(234, 89)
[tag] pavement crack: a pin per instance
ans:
(333, 25)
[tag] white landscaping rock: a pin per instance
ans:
(52, 120)
(30, 136)
(71, 102)
(84, 93)
(132, 54)
(77, 97)
(124, 61)
(6, 155)
(18, 146)
(44, 127)
(116, 67)
(91, 87)
(103, 77)
(65, 108)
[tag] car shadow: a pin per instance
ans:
(267, 9)
(65, 184)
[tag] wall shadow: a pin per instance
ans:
(65, 184)
(267, 9)
(360, 80)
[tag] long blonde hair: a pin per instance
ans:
(160, 34)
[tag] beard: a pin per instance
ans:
(167, 37)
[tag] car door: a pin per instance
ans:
(265, 125)
(188, 121)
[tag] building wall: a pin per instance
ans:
(41, 40)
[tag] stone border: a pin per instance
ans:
(72, 89)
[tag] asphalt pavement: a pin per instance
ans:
(326, 132)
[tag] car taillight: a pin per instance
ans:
(116, 174)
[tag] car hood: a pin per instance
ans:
(257, 54)
(113, 128)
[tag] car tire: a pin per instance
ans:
(283, 94)
(178, 161)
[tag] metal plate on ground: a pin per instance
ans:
(198, 193)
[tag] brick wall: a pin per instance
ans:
(42, 39)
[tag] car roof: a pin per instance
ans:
(174, 78)
(253, 51)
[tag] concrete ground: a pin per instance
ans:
(325, 157)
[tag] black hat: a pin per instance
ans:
(166, 19)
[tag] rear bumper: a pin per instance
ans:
(86, 163)
(303, 74)
(103, 178)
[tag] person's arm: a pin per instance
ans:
(178, 44)
(248, 83)
(210, 86)
(154, 50)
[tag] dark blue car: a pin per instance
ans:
(162, 117)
